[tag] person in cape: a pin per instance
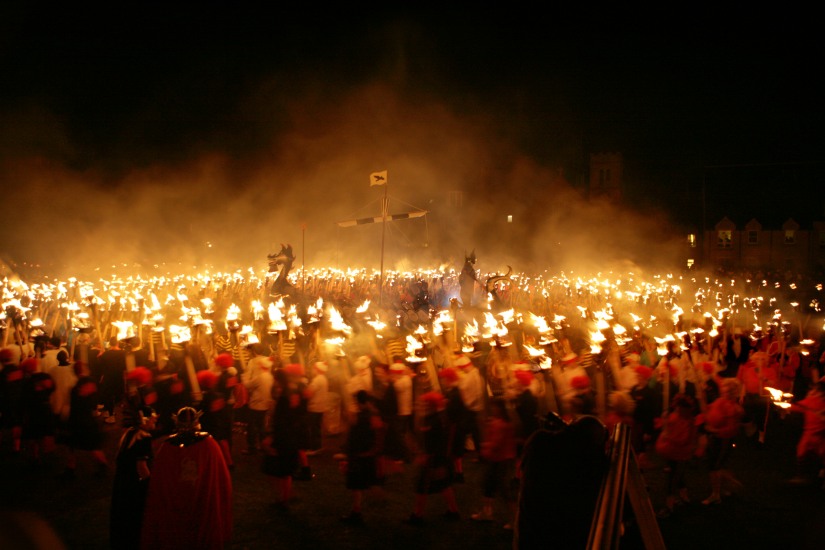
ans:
(189, 501)
(131, 481)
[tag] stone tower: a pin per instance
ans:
(606, 171)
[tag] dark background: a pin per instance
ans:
(200, 118)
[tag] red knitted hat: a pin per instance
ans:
(224, 360)
(580, 382)
(525, 377)
(207, 379)
(141, 375)
(433, 400)
(294, 369)
(29, 365)
(448, 373)
(643, 372)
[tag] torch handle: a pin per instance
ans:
(193, 379)
(601, 392)
(550, 392)
(54, 322)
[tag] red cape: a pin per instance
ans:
(189, 504)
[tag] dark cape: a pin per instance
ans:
(562, 472)
(128, 491)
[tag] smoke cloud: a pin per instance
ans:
(219, 211)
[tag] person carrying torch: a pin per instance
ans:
(755, 375)
(810, 451)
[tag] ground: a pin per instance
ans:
(768, 512)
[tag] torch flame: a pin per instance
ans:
(125, 329)
(533, 352)
(180, 334)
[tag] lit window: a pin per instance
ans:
(790, 236)
(690, 263)
(510, 219)
(725, 238)
(692, 240)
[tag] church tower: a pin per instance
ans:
(606, 171)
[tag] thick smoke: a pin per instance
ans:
(220, 212)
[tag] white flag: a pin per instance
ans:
(378, 178)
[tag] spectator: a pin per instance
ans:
(133, 465)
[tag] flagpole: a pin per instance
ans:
(303, 257)
(383, 234)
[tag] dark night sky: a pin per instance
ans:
(97, 102)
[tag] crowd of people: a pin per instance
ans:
(179, 405)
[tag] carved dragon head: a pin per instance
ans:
(283, 257)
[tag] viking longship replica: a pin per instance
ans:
(381, 178)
